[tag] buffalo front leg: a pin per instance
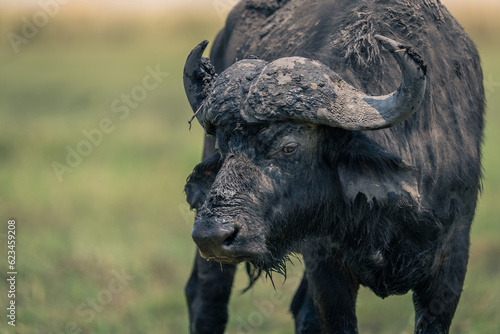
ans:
(303, 310)
(333, 288)
(436, 300)
(207, 293)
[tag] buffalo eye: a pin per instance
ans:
(290, 148)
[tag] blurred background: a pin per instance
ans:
(94, 152)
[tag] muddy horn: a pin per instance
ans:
(198, 76)
(308, 91)
(401, 104)
(355, 110)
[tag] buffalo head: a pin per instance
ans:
(291, 161)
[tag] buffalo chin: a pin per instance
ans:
(267, 263)
(226, 260)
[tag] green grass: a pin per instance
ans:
(123, 206)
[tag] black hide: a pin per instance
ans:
(393, 207)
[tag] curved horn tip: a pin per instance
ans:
(199, 49)
(396, 49)
(389, 44)
(196, 80)
(202, 45)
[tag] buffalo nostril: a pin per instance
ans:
(230, 240)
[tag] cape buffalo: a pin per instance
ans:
(354, 126)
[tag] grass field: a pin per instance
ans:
(103, 235)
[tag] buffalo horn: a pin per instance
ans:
(401, 104)
(355, 110)
(198, 75)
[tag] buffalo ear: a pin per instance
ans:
(201, 179)
(383, 178)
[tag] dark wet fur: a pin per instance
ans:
(437, 151)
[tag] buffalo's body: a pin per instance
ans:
(393, 206)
